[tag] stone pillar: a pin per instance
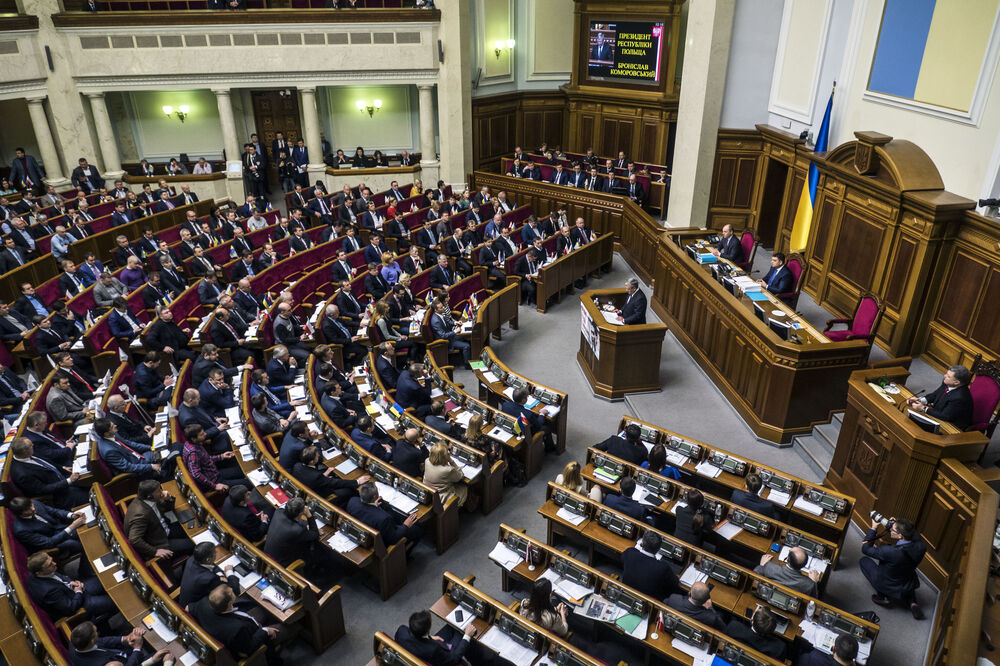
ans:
(428, 151)
(46, 146)
(310, 130)
(234, 163)
(105, 136)
(706, 56)
(454, 91)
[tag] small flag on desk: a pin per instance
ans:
(232, 252)
(396, 410)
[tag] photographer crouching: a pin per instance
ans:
(892, 569)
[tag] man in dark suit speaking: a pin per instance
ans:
(600, 50)
(779, 279)
(730, 246)
(952, 401)
(633, 311)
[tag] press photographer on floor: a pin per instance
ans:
(892, 569)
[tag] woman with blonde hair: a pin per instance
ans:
(445, 476)
(475, 438)
(390, 269)
(417, 189)
(572, 479)
(380, 322)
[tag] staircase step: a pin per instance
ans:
(827, 434)
(817, 454)
(838, 418)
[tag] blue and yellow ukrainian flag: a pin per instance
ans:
(807, 202)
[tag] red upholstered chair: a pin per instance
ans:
(862, 325)
(796, 266)
(985, 389)
(749, 244)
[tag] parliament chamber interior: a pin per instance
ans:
(286, 290)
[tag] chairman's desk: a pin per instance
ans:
(623, 358)
(737, 590)
(883, 457)
(780, 388)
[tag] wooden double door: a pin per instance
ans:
(276, 111)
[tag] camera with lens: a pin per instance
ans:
(885, 522)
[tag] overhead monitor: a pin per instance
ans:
(626, 52)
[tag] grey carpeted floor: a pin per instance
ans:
(544, 349)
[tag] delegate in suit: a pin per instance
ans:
(952, 401)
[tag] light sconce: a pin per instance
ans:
(181, 112)
(370, 108)
(501, 45)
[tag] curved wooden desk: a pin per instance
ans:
(617, 359)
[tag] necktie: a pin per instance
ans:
(89, 387)
(42, 463)
(127, 447)
(55, 334)
(3, 380)
(247, 615)
(16, 323)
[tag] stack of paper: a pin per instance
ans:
(395, 498)
(569, 516)
(727, 530)
(490, 377)
(386, 422)
(258, 477)
(462, 418)
(810, 507)
(346, 467)
(566, 588)
(467, 617)
(708, 469)
(778, 497)
(691, 576)
(205, 537)
(156, 625)
(341, 543)
(470, 472)
(507, 647)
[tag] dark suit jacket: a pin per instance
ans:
(239, 634)
(954, 406)
(36, 535)
(173, 281)
(626, 505)
(755, 503)
(816, 658)
(147, 383)
(287, 539)
(280, 374)
(770, 645)
(897, 569)
(407, 458)
(649, 575)
(387, 372)
(709, 616)
(785, 281)
(36, 480)
(108, 649)
(128, 428)
(166, 334)
(435, 653)
(53, 596)
(52, 451)
(620, 448)
(634, 312)
(198, 581)
(376, 518)
(409, 392)
(732, 249)
(188, 415)
(9, 331)
(245, 521)
(318, 482)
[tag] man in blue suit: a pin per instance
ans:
(300, 157)
(779, 279)
(559, 177)
(277, 399)
(364, 436)
(442, 331)
(191, 411)
(515, 407)
(148, 384)
(282, 367)
(124, 457)
(410, 393)
(47, 445)
(633, 311)
(385, 364)
(122, 321)
(365, 507)
(892, 570)
(623, 502)
(40, 527)
(87, 649)
(216, 395)
(59, 596)
(333, 404)
(643, 569)
(750, 499)
(296, 439)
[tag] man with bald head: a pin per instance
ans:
(790, 574)
(729, 246)
(697, 605)
(289, 332)
(128, 427)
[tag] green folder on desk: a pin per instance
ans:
(477, 365)
(628, 622)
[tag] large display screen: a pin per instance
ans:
(625, 51)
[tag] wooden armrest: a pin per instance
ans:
(839, 320)
(297, 564)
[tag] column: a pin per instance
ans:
(47, 147)
(229, 141)
(105, 136)
(310, 126)
(428, 151)
(706, 56)
(454, 91)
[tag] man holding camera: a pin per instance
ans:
(892, 570)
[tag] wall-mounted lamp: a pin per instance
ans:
(501, 44)
(181, 112)
(370, 108)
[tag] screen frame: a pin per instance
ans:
(583, 52)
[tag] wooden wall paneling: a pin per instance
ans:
(857, 249)
(734, 197)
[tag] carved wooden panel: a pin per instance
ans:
(986, 326)
(899, 273)
(725, 177)
(588, 123)
(867, 457)
(648, 140)
(823, 221)
(856, 254)
(963, 285)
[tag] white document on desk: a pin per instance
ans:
(463, 418)
(570, 517)
(499, 434)
(509, 392)
(346, 467)
(691, 576)
(470, 472)
(467, 617)
(504, 556)
(810, 507)
(727, 530)
(490, 377)
(156, 625)
(341, 543)
(386, 422)
(205, 537)
(678, 459)
(778, 497)
(567, 588)
(551, 411)
(297, 392)
(436, 392)
(258, 477)
(812, 563)
(189, 658)
(612, 318)
(708, 469)
(676, 505)
(700, 655)
(507, 647)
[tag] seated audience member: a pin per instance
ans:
(267, 420)
(537, 422)
(446, 648)
(729, 246)
(48, 446)
(36, 477)
(202, 575)
(210, 472)
(108, 290)
(122, 456)
(628, 448)
(216, 394)
(59, 596)
(443, 475)
(13, 391)
(208, 361)
(209, 290)
(656, 461)
(282, 368)
(122, 321)
(647, 571)
(438, 420)
(845, 651)
(778, 280)
(289, 332)
(366, 508)
(277, 398)
(133, 276)
(791, 574)
(952, 401)
(364, 436)
(698, 606)
(623, 502)
(296, 439)
(760, 634)
(89, 649)
(129, 428)
(335, 332)
(149, 385)
(191, 411)
(443, 330)
(538, 608)
(148, 527)
(239, 632)
(41, 527)
(167, 337)
(324, 482)
(63, 404)
(572, 478)
(385, 364)
(750, 498)
(409, 453)
(243, 515)
(693, 522)
(292, 534)
(334, 407)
